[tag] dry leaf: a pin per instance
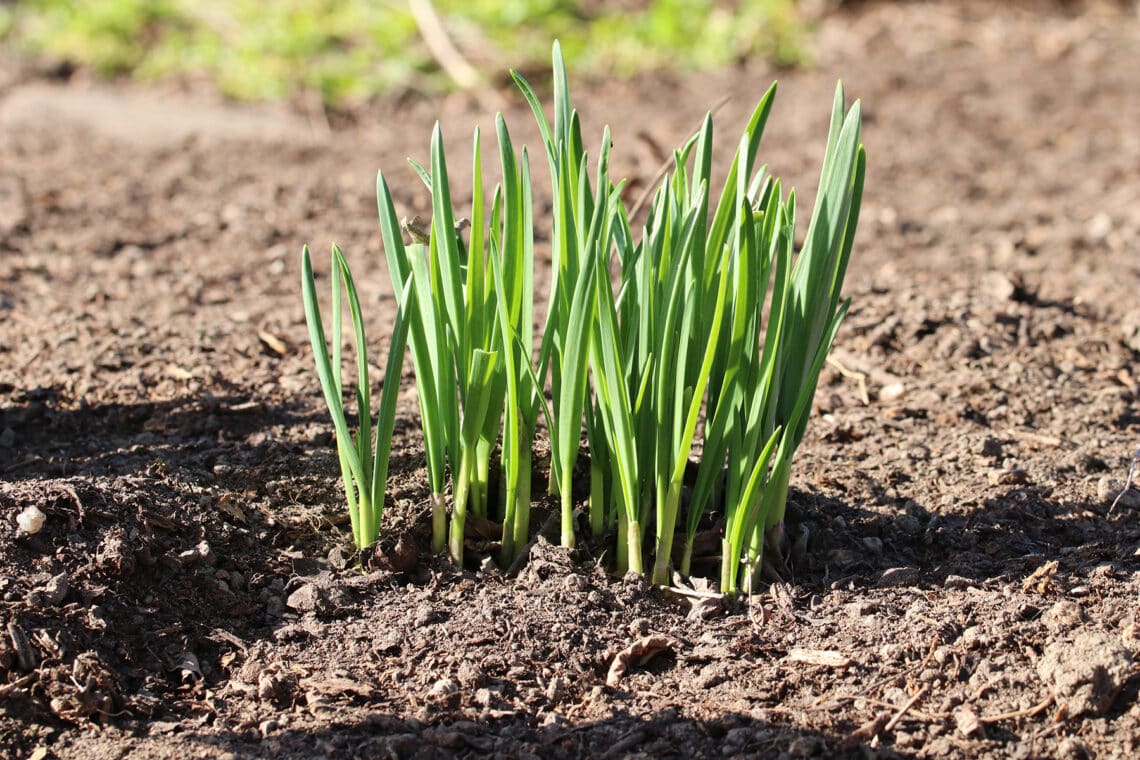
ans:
(228, 507)
(637, 653)
(1041, 580)
(272, 342)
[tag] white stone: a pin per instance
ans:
(31, 520)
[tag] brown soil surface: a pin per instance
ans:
(965, 590)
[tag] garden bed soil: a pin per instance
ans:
(962, 587)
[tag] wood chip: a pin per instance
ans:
(828, 658)
(174, 372)
(967, 721)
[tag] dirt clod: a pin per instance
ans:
(1086, 672)
(1063, 617)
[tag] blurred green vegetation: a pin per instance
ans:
(351, 49)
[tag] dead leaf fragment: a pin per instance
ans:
(637, 653)
(227, 506)
(1041, 581)
(273, 343)
(828, 658)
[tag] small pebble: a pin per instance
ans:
(56, 590)
(990, 447)
(1130, 329)
(308, 598)
(1099, 226)
(892, 391)
(31, 520)
(1006, 476)
(998, 286)
(442, 689)
(557, 688)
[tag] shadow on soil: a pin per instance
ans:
(136, 495)
(193, 432)
(665, 734)
(1007, 537)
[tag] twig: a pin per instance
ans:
(875, 703)
(79, 510)
(440, 45)
(521, 559)
(1026, 713)
(682, 591)
(865, 733)
(856, 363)
(663, 169)
(1042, 440)
(850, 374)
(906, 708)
(1127, 483)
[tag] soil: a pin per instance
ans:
(964, 588)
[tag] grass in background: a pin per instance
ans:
(350, 49)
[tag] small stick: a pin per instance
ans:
(906, 708)
(524, 554)
(877, 703)
(663, 169)
(682, 591)
(865, 733)
(1038, 438)
(1127, 483)
(441, 46)
(851, 374)
(1026, 713)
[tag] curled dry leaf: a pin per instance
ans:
(272, 343)
(1041, 580)
(638, 653)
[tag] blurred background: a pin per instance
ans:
(346, 51)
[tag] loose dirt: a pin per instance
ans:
(963, 588)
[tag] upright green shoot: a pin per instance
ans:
(363, 460)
